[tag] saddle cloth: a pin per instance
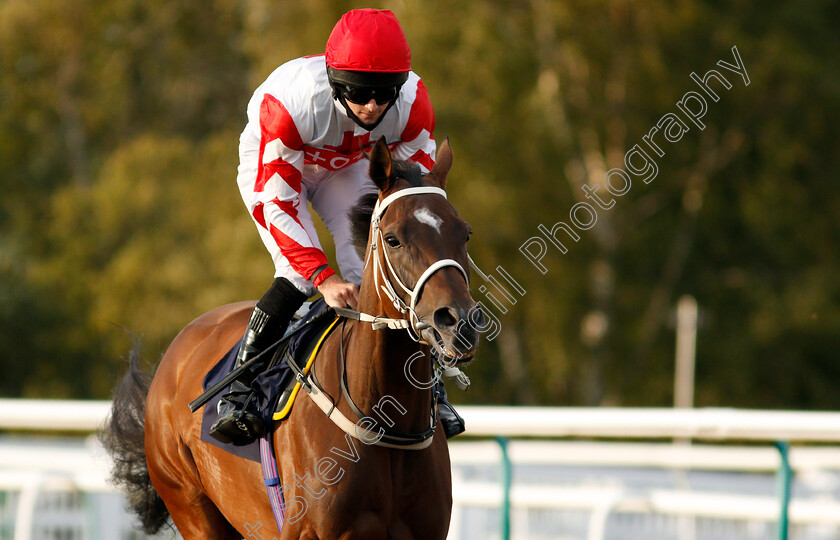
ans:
(272, 383)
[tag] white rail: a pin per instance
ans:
(601, 501)
(553, 422)
(24, 469)
(660, 501)
(698, 457)
(708, 424)
(52, 415)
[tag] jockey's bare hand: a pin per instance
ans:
(339, 293)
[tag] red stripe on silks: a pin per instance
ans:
(286, 171)
(289, 208)
(304, 260)
(422, 115)
(277, 123)
(423, 159)
(259, 214)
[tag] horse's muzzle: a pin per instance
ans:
(454, 332)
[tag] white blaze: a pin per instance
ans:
(424, 215)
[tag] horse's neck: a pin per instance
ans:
(376, 374)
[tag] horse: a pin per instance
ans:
(337, 486)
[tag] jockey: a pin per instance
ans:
(307, 126)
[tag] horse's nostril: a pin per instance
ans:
(477, 317)
(445, 318)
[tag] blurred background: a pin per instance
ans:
(119, 125)
(119, 213)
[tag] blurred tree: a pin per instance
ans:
(119, 125)
(76, 83)
(571, 87)
(157, 240)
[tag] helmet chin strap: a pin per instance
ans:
(338, 96)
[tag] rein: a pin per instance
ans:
(386, 437)
(391, 438)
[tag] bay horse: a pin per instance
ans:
(347, 489)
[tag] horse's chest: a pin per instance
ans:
(370, 509)
(349, 490)
(370, 525)
(372, 501)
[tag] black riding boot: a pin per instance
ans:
(451, 421)
(236, 423)
(239, 423)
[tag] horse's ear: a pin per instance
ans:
(380, 165)
(442, 165)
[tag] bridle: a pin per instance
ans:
(386, 286)
(383, 268)
(411, 323)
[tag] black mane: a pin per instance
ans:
(362, 211)
(360, 221)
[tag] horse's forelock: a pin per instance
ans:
(409, 172)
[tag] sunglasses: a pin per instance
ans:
(362, 95)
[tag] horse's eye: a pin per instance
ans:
(392, 241)
(469, 235)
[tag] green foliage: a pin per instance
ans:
(119, 125)
(157, 240)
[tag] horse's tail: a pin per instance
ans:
(123, 438)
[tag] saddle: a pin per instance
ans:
(279, 384)
(299, 356)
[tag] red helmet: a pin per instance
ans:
(367, 47)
